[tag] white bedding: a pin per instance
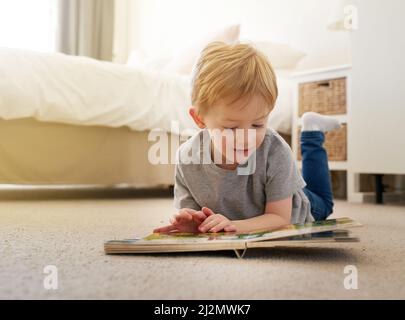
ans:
(84, 91)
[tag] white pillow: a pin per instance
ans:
(138, 59)
(281, 56)
(183, 63)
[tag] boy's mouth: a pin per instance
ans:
(244, 151)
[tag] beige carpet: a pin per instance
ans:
(70, 233)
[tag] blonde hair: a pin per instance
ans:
(231, 73)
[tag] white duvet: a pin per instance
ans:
(83, 91)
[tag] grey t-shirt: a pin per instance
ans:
(204, 184)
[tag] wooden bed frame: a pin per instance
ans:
(46, 153)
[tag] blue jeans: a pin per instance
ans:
(315, 171)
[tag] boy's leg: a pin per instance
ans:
(315, 168)
(320, 210)
(315, 171)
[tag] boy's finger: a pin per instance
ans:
(190, 211)
(199, 216)
(219, 226)
(183, 216)
(209, 225)
(230, 228)
(207, 211)
(164, 229)
(208, 220)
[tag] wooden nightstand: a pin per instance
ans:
(326, 91)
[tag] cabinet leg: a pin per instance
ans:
(353, 187)
(379, 188)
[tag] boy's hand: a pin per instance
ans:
(186, 220)
(215, 222)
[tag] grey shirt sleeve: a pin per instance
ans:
(283, 178)
(182, 195)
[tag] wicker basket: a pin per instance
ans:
(335, 144)
(326, 97)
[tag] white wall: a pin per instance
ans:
(163, 27)
(27, 24)
(122, 30)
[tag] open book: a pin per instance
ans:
(328, 231)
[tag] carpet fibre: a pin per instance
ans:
(70, 233)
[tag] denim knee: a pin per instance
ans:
(321, 210)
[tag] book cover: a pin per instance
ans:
(332, 230)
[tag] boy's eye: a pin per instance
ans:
(254, 126)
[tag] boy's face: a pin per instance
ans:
(236, 130)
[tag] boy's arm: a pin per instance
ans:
(277, 214)
(282, 180)
(182, 195)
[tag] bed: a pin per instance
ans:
(77, 121)
(46, 153)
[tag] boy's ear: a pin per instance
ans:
(199, 122)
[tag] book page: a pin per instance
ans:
(287, 231)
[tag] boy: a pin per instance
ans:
(234, 89)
